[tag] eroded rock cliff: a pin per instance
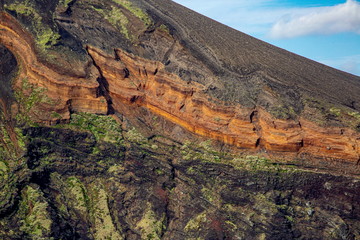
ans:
(123, 120)
(122, 78)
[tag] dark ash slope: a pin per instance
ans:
(243, 61)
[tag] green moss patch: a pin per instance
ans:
(324, 114)
(36, 221)
(203, 151)
(149, 226)
(197, 222)
(283, 112)
(7, 184)
(64, 3)
(116, 18)
(10, 150)
(45, 37)
(135, 11)
(101, 216)
(79, 193)
(104, 128)
(29, 96)
(165, 29)
(133, 135)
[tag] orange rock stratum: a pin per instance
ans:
(139, 82)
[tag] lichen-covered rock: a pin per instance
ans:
(171, 191)
(128, 119)
(34, 212)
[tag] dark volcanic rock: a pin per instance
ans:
(141, 119)
(159, 191)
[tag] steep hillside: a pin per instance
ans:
(141, 119)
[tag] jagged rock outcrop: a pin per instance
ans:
(123, 120)
(146, 83)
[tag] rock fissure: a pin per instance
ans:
(171, 185)
(165, 59)
(103, 87)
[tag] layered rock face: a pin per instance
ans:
(123, 120)
(133, 80)
(146, 83)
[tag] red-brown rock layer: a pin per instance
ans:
(134, 80)
(140, 82)
(77, 92)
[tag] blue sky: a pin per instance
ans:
(325, 31)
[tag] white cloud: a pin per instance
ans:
(350, 64)
(257, 17)
(321, 20)
(252, 17)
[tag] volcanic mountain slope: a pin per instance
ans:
(145, 120)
